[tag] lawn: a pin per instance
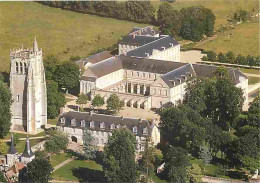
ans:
(21, 135)
(21, 146)
(59, 158)
(223, 9)
(250, 71)
(244, 39)
(60, 32)
(80, 170)
(253, 80)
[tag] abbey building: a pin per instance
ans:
(28, 88)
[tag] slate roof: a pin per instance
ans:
(144, 31)
(208, 71)
(104, 67)
(94, 58)
(178, 75)
(12, 149)
(164, 42)
(137, 40)
(107, 120)
(149, 65)
(27, 151)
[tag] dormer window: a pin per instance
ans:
(118, 126)
(112, 127)
(82, 123)
(102, 125)
(62, 120)
(145, 130)
(92, 124)
(73, 122)
(134, 129)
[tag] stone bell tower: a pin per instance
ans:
(28, 87)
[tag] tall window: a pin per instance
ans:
(17, 67)
(21, 67)
(17, 98)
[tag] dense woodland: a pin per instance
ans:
(191, 23)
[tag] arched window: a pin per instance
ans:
(24, 66)
(73, 122)
(62, 120)
(21, 67)
(160, 92)
(144, 75)
(118, 126)
(92, 124)
(17, 67)
(154, 91)
(137, 74)
(112, 127)
(145, 130)
(82, 123)
(102, 125)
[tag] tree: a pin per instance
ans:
(147, 161)
(192, 29)
(38, 171)
(195, 173)
(3, 147)
(89, 145)
(183, 127)
(5, 113)
(50, 66)
(56, 142)
(176, 164)
(221, 58)
(67, 75)
(212, 56)
(114, 103)
(205, 155)
(81, 100)
(55, 99)
(2, 178)
(16, 139)
(119, 157)
(254, 112)
(98, 101)
(241, 60)
(251, 60)
(230, 57)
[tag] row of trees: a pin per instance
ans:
(190, 23)
(230, 57)
(60, 77)
(201, 126)
(137, 11)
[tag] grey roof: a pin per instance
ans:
(137, 40)
(94, 58)
(164, 42)
(178, 75)
(144, 31)
(149, 65)
(12, 149)
(107, 120)
(208, 71)
(27, 151)
(105, 67)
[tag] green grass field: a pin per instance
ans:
(244, 40)
(253, 80)
(60, 32)
(80, 170)
(59, 158)
(250, 71)
(21, 145)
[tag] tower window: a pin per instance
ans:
(21, 67)
(17, 98)
(17, 67)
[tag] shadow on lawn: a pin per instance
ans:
(88, 175)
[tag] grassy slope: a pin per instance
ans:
(57, 30)
(59, 158)
(244, 38)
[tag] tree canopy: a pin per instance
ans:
(114, 104)
(98, 101)
(81, 100)
(38, 171)
(89, 145)
(55, 99)
(119, 157)
(5, 106)
(56, 142)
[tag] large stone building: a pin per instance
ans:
(101, 127)
(148, 73)
(147, 83)
(147, 43)
(28, 88)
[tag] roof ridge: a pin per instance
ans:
(170, 72)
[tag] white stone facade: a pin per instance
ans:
(28, 88)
